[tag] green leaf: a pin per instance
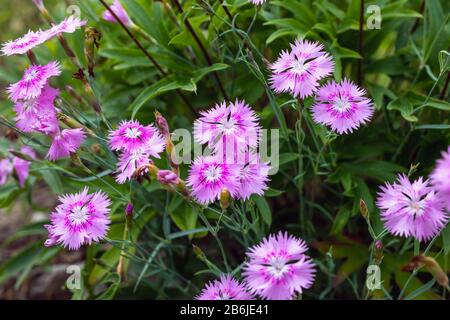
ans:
(404, 107)
(151, 92)
(263, 208)
(154, 26)
(444, 61)
(446, 239)
(288, 157)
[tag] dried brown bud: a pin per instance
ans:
(431, 265)
(224, 199)
(363, 209)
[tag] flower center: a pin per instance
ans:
(132, 133)
(278, 267)
(31, 75)
(79, 215)
(223, 295)
(342, 105)
(213, 173)
(228, 125)
(299, 67)
(416, 207)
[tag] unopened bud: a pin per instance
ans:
(224, 199)
(153, 170)
(162, 124)
(167, 177)
(198, 252)
(363, 209)
(92, 39)
(22, 155)
(181, 188)
(76, 160)
(96, 148)
(431, 265)
(378, 252)
(72, 123)
(129, 209)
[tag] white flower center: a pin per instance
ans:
(278, 267)
(416, 207)
(78, 215)
(342, 105)
(132, 133)
(228, 125)
(224, 295)
(213, 173)
(299, 67)
(31, 75)
(28, 105)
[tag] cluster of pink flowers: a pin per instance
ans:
(232, 133)
(19, 166)
(136, 144)
(34, 97)
(341, 106)
(417, 209)
(277, 269)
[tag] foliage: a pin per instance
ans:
(322, 176)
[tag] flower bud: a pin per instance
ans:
(378, 252)
(92, 39)
(363, 209)
(162, 124)
(181, 188)
(72, 123)
(431, 265)
(129, 209)
(167, 177)
(153, 170)
(198, 252)
(224, 199)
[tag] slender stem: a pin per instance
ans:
(416, 23)
(32, 57)
(208, 59)
(444, 89)
(361, 41)
(148, 55)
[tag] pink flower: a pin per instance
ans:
(232, 126)
(253, 177)
(21, 166)
(33, 81)
(208, 176)
(278, 269)
(299, 71)
(80, 219)
(25, 43)
(257, 2)
(38, 114)
(167, 177)
(33, 39)
(65, 143)
(342, 106)
(6, 168)
(226, 288)
(131, 161)
(68, 25)
(411, 210)
(440, 177)
(120, 12)
(131, 135)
